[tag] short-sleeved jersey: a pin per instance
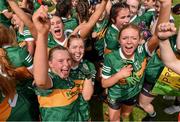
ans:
(53, 43)
(114, 61)
(16, 109)
(19, 56)
(59, 103)
(85, 70)
(3, 8)
(155, 65)
(100, 30)
(111, 38)
(25, 36)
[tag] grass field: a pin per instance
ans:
(98, 108)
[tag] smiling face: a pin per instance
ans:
(129, 40)
(60, 63)
(76, 49)
(133, 6)
(57, 28)
(123, 18)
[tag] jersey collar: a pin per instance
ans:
(122, 55)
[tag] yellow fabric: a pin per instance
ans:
(79, 84)
(5, 110)
(59, 97)
(170, 78)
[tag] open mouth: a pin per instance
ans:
(129, 49)
(57, 31)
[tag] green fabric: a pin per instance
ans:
(113, 62)
(19, 56)
(70, 24)
(74, 13)
(85, 70)
(99, 44)
(111, 38)
(4, 6)
(25, 36)
(145, 19)
(51, 41)
(23, 111)
(63, 113)
(155, 65)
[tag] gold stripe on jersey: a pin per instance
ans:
(5, 110)
(79, 84)
(58, 98)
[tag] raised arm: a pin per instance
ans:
(164, 15)
(42, 24)
(23, 16)
(85, 29)
(167, 30)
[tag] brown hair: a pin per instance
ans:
(72, 37)
(7, 75)
(52, 50)
(130, 25)
(7, 36)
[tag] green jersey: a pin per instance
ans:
(59, 103)
(18, 56)
(53, 42)
(70, 24)
(113, 62)
(3, 8)
(111, 39)
(25, 36)
(155, 65)
(85, 70)
(16, 109)
(145, 19)
(100, 29)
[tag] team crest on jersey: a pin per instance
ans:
(140, 49)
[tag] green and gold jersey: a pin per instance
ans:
(130, 86)
(100, 29)
(18, 56)
(59, 103)
(155, 65)
(3, 8)
(16, 109)
(111, 39)
(85, 70)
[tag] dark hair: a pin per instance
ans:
(115, 9)
(52, 50)
(63, 8)
(130, 25)
(83, 10)
(71, 37)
